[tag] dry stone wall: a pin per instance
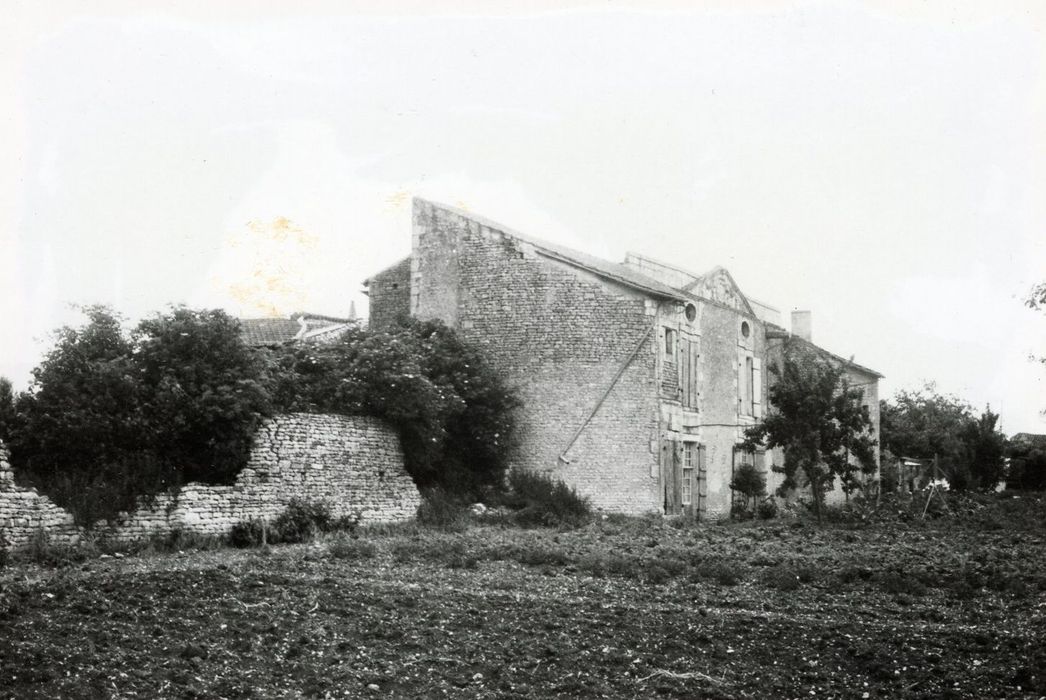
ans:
(355, 464)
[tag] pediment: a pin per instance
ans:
(719, 286)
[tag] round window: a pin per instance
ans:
(691, 312)
(745, 330)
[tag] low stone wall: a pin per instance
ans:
(353, 463)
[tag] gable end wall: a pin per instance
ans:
(559, 335)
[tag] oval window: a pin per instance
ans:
(745, 330)
(691, 312)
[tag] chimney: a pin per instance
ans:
(802, 325)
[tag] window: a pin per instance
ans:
(748, 386)
(745, 329)
(670, 344)
(690, 459)
(691, 312)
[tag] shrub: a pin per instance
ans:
(721, 572)
(442, 511)
(351, 548)
(749, 482)
(301, 521)
(540, 500)
(246, 533)
(767, 509)
(537, 555)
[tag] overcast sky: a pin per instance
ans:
(881, 166)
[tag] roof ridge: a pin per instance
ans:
(593, 263)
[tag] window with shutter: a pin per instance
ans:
(690, 358)
(757, 387)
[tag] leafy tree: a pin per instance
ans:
(111, 417)
(80, 425)
(750, 483)
(1027, 463)
(985, 448)
(7, 409)
(818, 421)
(204, 391)
(453, 412)
(928, 425)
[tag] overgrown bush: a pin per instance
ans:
(350, 548)
(300, 521)
(454, 414)
(541, 501)
(442, 510)
(767, 509)
(113, 417)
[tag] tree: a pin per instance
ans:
(1027, 463)
(112, 417)
(204, 391)
(927, 425)
(79, 425)
(818, 421)
(985, 448)
(7, 409)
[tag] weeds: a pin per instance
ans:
(351, 548)
(541, 501)
(440, 510)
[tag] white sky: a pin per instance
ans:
(882, 166)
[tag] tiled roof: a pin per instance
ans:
(848, 363)
(279, 331)
(269, 331)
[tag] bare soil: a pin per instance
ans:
(950, 608)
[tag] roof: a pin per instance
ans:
(603, 268)
(260, 332)
(269, 331)
(618, 272)
(848, 363)
(379, 273)
(1033, 439)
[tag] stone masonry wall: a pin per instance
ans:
(558, 334)
(353, 463)
(389, 293)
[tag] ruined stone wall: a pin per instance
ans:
(559, 335)
(389, 293)
(355, 464)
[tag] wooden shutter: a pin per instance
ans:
(757, 387)
(702, 486)
(677, 477)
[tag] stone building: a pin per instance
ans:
(637, 379)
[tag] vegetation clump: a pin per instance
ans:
(820, 424)
(115, 416)
(541, 501)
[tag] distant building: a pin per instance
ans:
(637, 379)
(297, 328)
